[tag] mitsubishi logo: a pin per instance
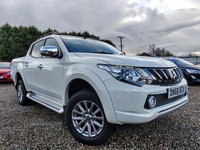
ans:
(173, 74)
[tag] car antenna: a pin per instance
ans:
(82, 33)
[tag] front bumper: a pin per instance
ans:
(129, 101)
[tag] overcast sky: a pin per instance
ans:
(170, 24)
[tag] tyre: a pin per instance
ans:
(21, 93)
(86, 120)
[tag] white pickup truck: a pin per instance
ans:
(96, 86)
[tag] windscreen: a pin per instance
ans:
(89, 46)
(181, 62)
(4, 65)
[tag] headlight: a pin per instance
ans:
(193, 71)
(136, 76)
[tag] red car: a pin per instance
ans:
(5, 72)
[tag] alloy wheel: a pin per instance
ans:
(87, 118)
(20, 93)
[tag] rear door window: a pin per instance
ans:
(35, 52)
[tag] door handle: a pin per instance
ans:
(40, 66)
(26, 64)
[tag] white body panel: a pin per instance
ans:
(122, 103)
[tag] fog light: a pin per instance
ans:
(152, 101)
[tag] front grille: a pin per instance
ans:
(166, 76)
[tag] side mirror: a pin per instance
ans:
(50, 51)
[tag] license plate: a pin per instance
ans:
(176, 91)
(1, 77)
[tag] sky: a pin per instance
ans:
(170, 24)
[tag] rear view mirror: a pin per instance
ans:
(50, 51)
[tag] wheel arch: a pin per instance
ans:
(89, 80)
(18, 77)
(77, 85)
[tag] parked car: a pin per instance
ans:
(191, 72)
(195, 62)
(5, 72)
(95, 85)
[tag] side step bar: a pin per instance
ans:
(34, 98)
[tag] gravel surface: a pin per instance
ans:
(36, 127)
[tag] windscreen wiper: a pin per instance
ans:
(102, 52)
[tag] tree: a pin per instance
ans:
(5, 42)
(88, 35)
(192, 55)
(15, 41)
(158, 51)
(152, 49)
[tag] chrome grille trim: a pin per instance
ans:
(165, 76)
(157, 74)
